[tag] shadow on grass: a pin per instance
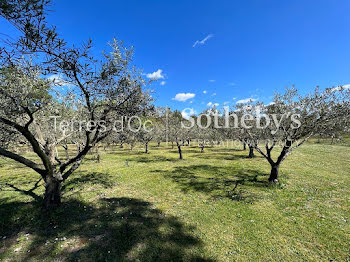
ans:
(113, 229)
(110, 229)
(217, 182)
(223, 156)
(151, 158)
(227, 149)
(81, 179)
(217, 149)
(29, 192)
(126, 151)
(77, 182)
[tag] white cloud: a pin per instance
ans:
(155, 75)
(231, 84)
(214, 94)
(213, 104)
(58, 80)
(202, 42)
(247, 100)
(162, 83)
(234, 98)
(182, 97)
(212, 80)
(187, 112)
(205, 91)
(226, 103)
(338, 88)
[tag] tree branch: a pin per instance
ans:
(31, 139)
(23, 161)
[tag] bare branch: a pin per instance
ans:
(23, 161)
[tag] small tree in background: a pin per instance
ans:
(159, 128)
(176, 132)
(248, 135)
(144, 137)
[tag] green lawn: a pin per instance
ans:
(215, 206)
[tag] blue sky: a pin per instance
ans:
(255, 47)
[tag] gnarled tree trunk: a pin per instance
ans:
(180, 151)
(65, 147)
(52, 197)
(251, 152)
(274, 173)
(98, 156)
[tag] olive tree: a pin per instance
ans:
(144, 136)
(176, 132)
(292, 119)
(248, 133)
(100, 91)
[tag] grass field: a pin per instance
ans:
(212, 206)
